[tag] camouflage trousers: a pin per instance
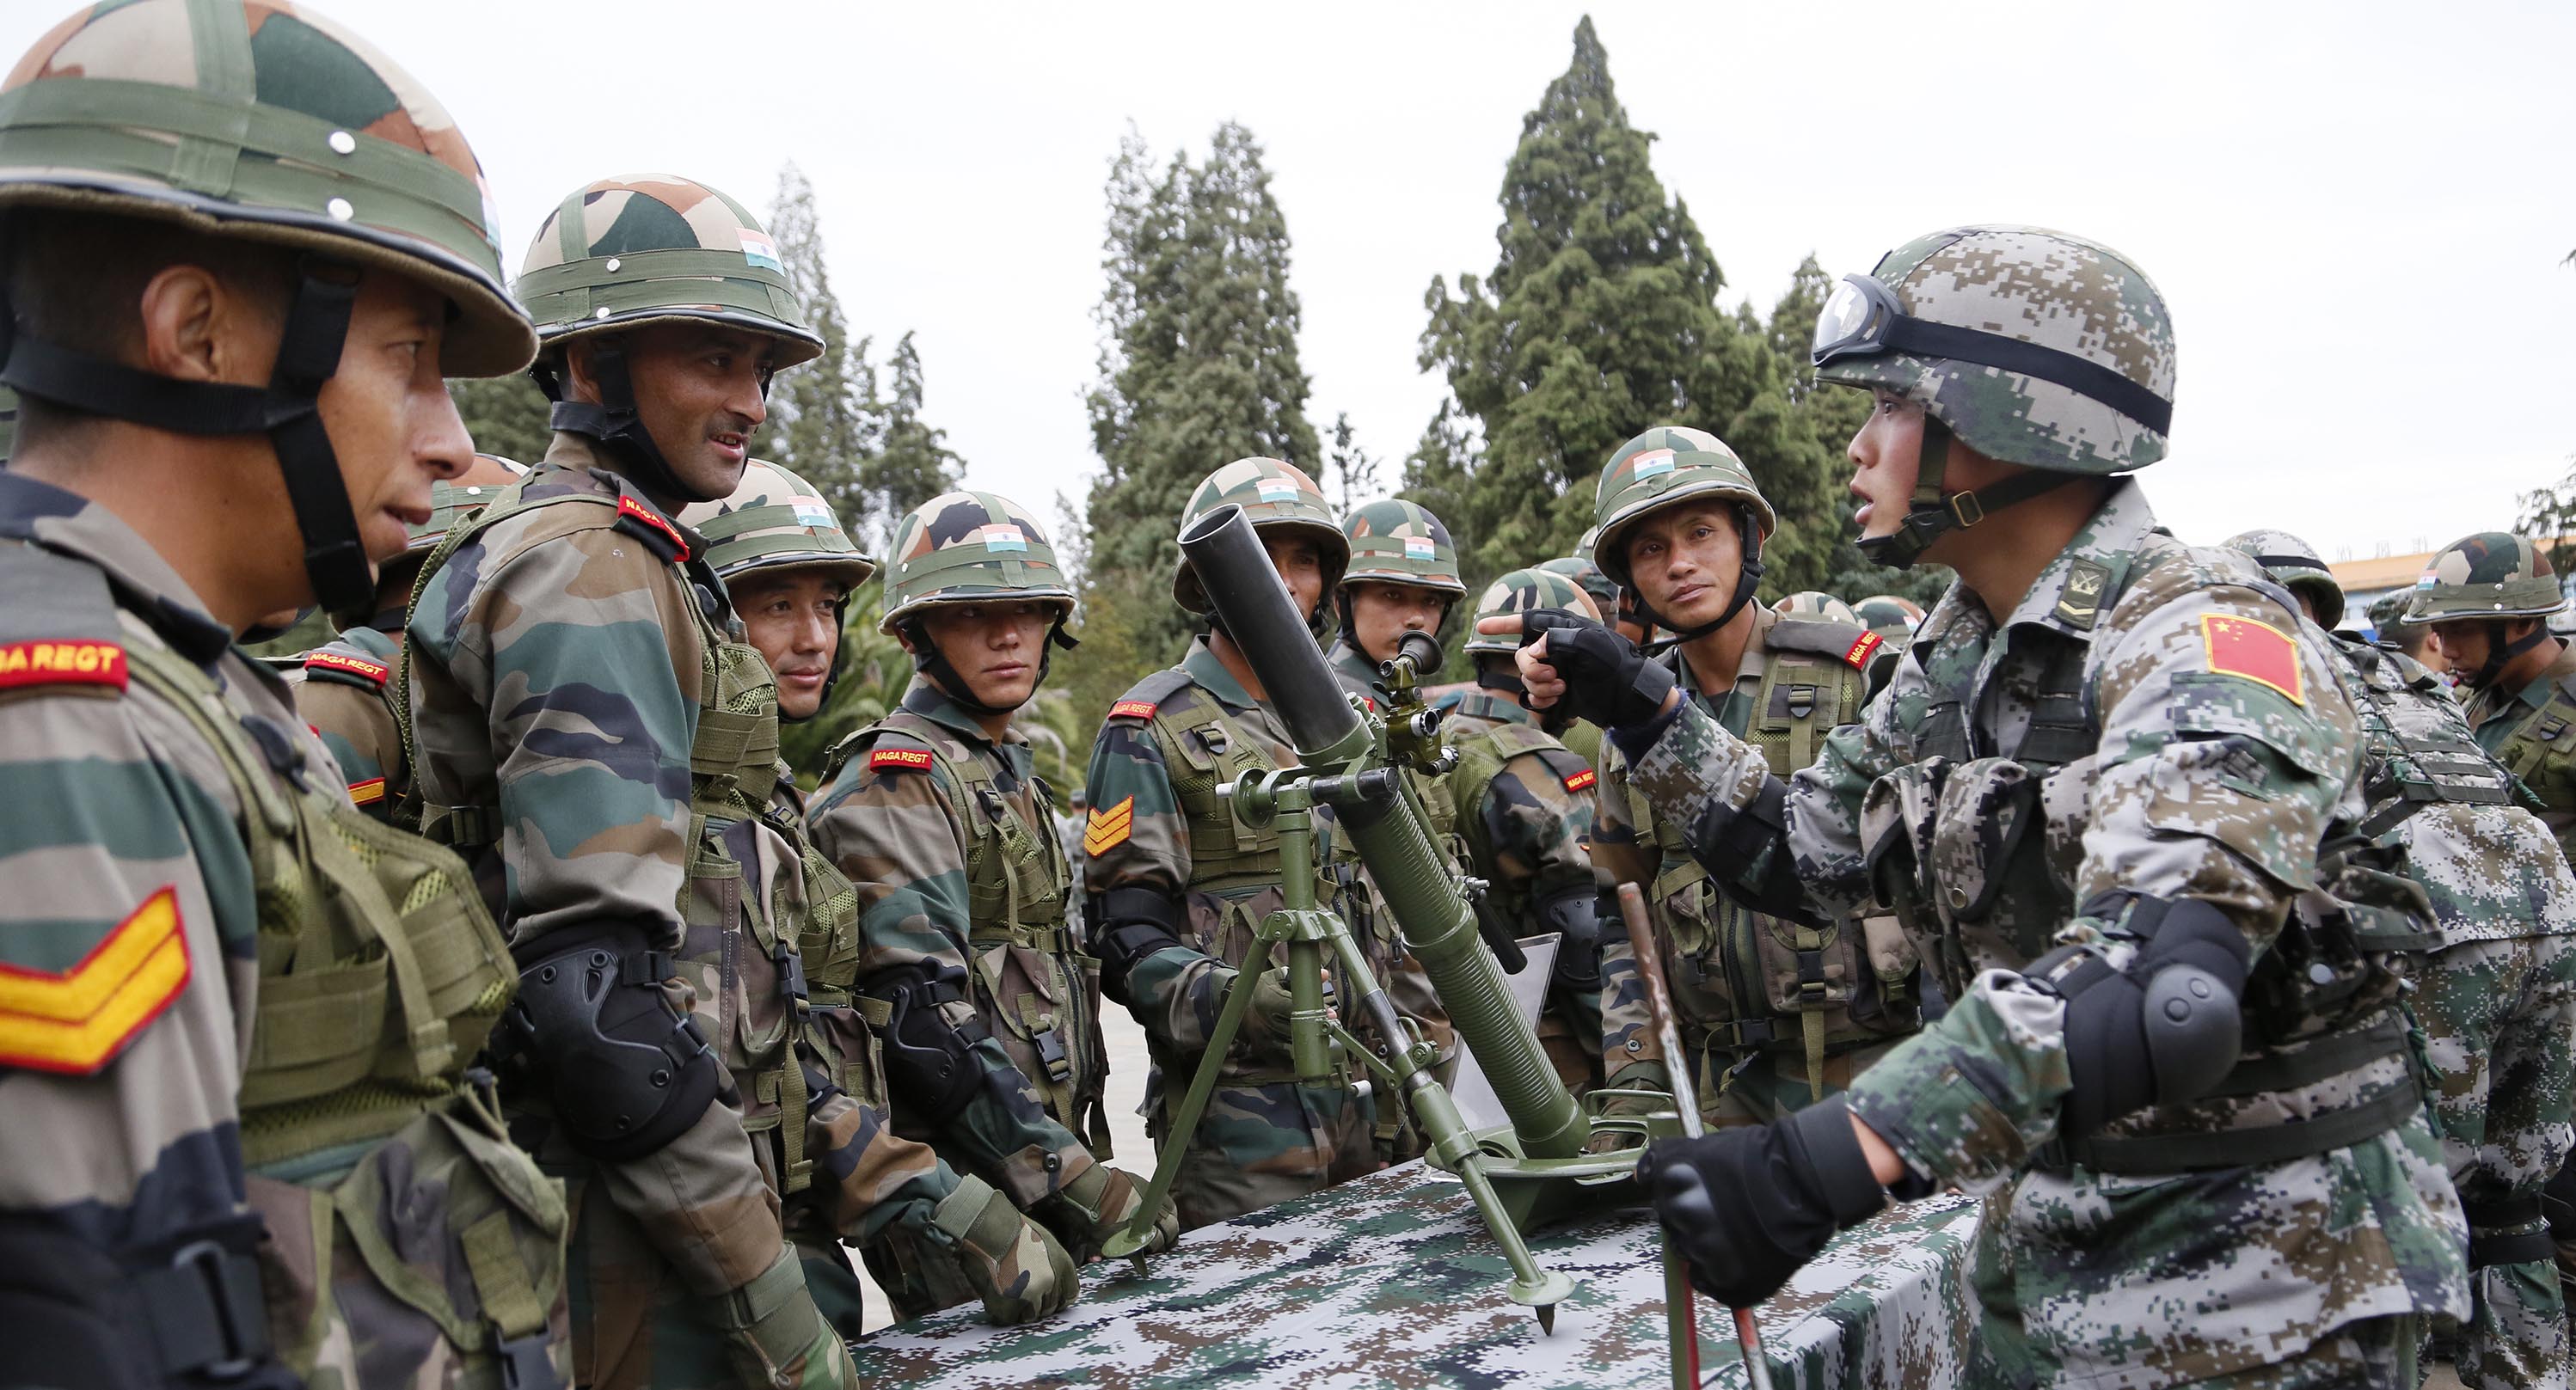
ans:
(1260, 1144)
(2373, 1354)
(2496, 1022)
(1572, 1049)
(1761, 1088)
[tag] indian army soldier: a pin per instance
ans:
(2389, 627)
(344, 688)
(2487, 600)
(2494, 995)
(1777, 1012)
(586, 726)
(2098, 788)
(243, 1145)
(1523, 807)
(1178, 888)
(788, 569)
(936, 812)
(1403, 578)
(1892, 618)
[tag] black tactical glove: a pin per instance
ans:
(1607, 680)
(1748, 1206)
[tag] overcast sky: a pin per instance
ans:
(2356, 212)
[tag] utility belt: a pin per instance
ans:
(2250, 1146)
(2493, 1239)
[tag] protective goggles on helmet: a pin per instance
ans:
(1863, 319)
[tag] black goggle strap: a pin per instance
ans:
(1888, 328)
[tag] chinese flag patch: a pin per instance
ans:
(76, 1021)
(911, 759)
(1582, 781)
(2256, 651)
(1132, 709)
(1862, 650)
(1108, 827)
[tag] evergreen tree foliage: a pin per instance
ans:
(506, 415)
(1353, 478)
(912, 462)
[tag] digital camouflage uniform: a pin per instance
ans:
(1523, 806)
(949, 836)
(588, 729)
(1178, 890)
(236, 1016)
(2141, 722)
(1775, 1014)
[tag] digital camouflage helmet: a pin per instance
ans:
(1816, 603)
(1275, 496)
(776, 520)
(2495, 576)
(963, 548)
(2030, 346)
(626, 253)
(2297, 567)
(1666, 465)
(260, 122)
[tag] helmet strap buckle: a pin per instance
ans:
(1966, 510)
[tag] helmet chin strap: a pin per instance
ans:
(1747, 575)
(930, 661)
(2500, 653)
(1931, 512)
(614, 423)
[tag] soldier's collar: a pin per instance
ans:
(581, 456)
(70, 524)
(1484, 704)
(933, 704)
(1204, 668)
(2070, 593)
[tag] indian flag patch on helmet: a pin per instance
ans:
(1650, 463)
(1417, 548)
(1277, 490)
(758, 249)
(1002, 535)
(816, 516)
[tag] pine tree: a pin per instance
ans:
(1354, 469)
(821, 414)
(913, 462)
(506, 415)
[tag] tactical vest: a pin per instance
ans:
(2001, 833)
(380, 975)
(2541, 752)
(362, 661)
(1481, 758)
(733, 763)
(1031, 978)
(2403, 772)
(1746, 983)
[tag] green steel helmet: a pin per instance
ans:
(1585, 548)
(1526, 591)
(1587, 576)
(2032, 346)
(2488, 575)
(2296, 566)
(1275, 496)
(651, 248)
(1668, 464)
(1398, 542)
(460, 497)
(1816, 603)
(1891, 617)
(776, 520)
(2387, 611)
(970, 547)
(262, 120)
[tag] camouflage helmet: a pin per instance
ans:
(1398, 542)
(652, 248)
(1816, 603)
(1587, 576)
(264, 121)
(455, 499)
(1586, 548)
(1665, 465)
(1525, 591)
(2032, 346)
(2487, 575)
(970, 547)
(2296, 566)
(1274, 495)
(776, 520)
(1891, 617)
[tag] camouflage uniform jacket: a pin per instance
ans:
(2215, 755)
(1351, 664)
(554, 658)
(180, 1057)
(343, 688)
(1744, 982)
(1528, 825)
(949, 838)
(2532, 731)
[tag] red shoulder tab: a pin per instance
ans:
(62, 663)
(1582, 781)
(656, 528)
(373, 672)
(368, 792)
(1132, 709)
(911, 759)
(1862, 650)
(76, 1021)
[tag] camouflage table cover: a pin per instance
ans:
(1392, 1281)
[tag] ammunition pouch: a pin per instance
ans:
(626, 1071)
(192, 1314)
(2493, 1239)
(929, 1061)
(1575, 916)
(1130, 924)
(2160, 1032)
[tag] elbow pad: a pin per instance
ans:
(1575, 915)
(1726, 841)
(2161, 1032)
(1133, 924)
(929, 1062)
(626, 1071)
